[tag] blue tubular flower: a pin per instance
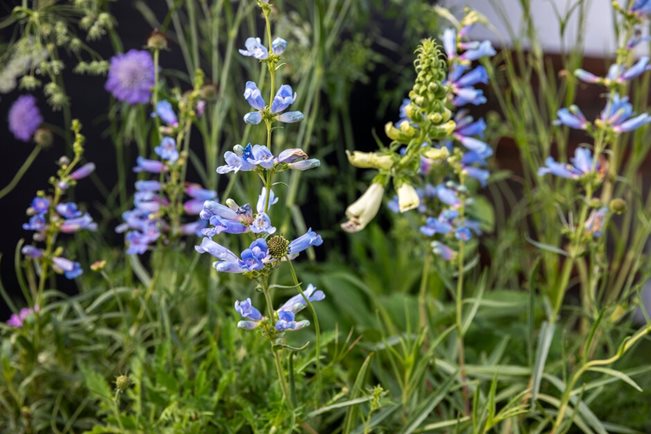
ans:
(582, 164)
(83, 171)
(618, 115)
(465, 128)
(31, 251)
(255, 49)
(595, 223)
(69, 268)
(616, 73)
(228, 262)
(283, 99)
(39, 205)
(476, 50)
(286, 321)
(36, 223)
(462, 83)
(167, 149)
(278, 46)
(165, 112)
(443, 251)
(258, 155)
(253, 96)
(303, 165)
(308, 239)
(447, 195)
(246, 309)
(439, 225)
(571, 117)
(76, 224)
(147, 186)
(297, 302)
(198, 195)
(255, 257)
(150, 166)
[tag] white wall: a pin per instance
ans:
(599, 34)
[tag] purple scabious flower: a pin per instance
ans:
(24, 118)
(131, 77)
(581, 164)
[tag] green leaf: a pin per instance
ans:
(428, 406)
(617, 374)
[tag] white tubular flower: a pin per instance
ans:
(369, 160)
(407, 197)
(364, 209)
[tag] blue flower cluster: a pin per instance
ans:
(285, 316)
(145, 222)
(48, 217)
(268, 249)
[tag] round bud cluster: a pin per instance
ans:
(278, 246)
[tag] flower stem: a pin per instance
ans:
(276, 352)
(422, 293)
(21, 172)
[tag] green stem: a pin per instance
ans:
(21, 172)
(317, 327)
(422, 292)
(276, 352)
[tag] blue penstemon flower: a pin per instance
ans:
(285, 317)
(283, 99)
(582, 164)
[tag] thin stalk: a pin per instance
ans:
(21, 172)
(422, 292)
(277, 361)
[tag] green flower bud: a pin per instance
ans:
(278, 246)
(617, 205)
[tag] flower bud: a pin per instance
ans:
(122, 383)
(364, 209)
(43, 137)
(369, 160)
(391, 131)
(617, 205)
(157, 40)
(436, 154)
(278, 246)
(407, 197)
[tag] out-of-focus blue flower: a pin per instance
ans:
(68, 210)
(582, 164)
(465, 128)
(443, 251)
(69, 268)
(40, 205)
(308, 239)
(439, 225)
(198, 195)
(254, 48)
(595, 222)
(165, 112)
(83, 171)
(237, 220)
(36, 223)
(83, 222)
(618, 114)
(278, 46)
(167, 149)
(31, 251)
(448, 194)
(641, 7)
(473, 50)
(131, 77)
(150, 166)
(24, 118)
(616, 73)
(147, 185)
(462, 81)
(571, 117)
